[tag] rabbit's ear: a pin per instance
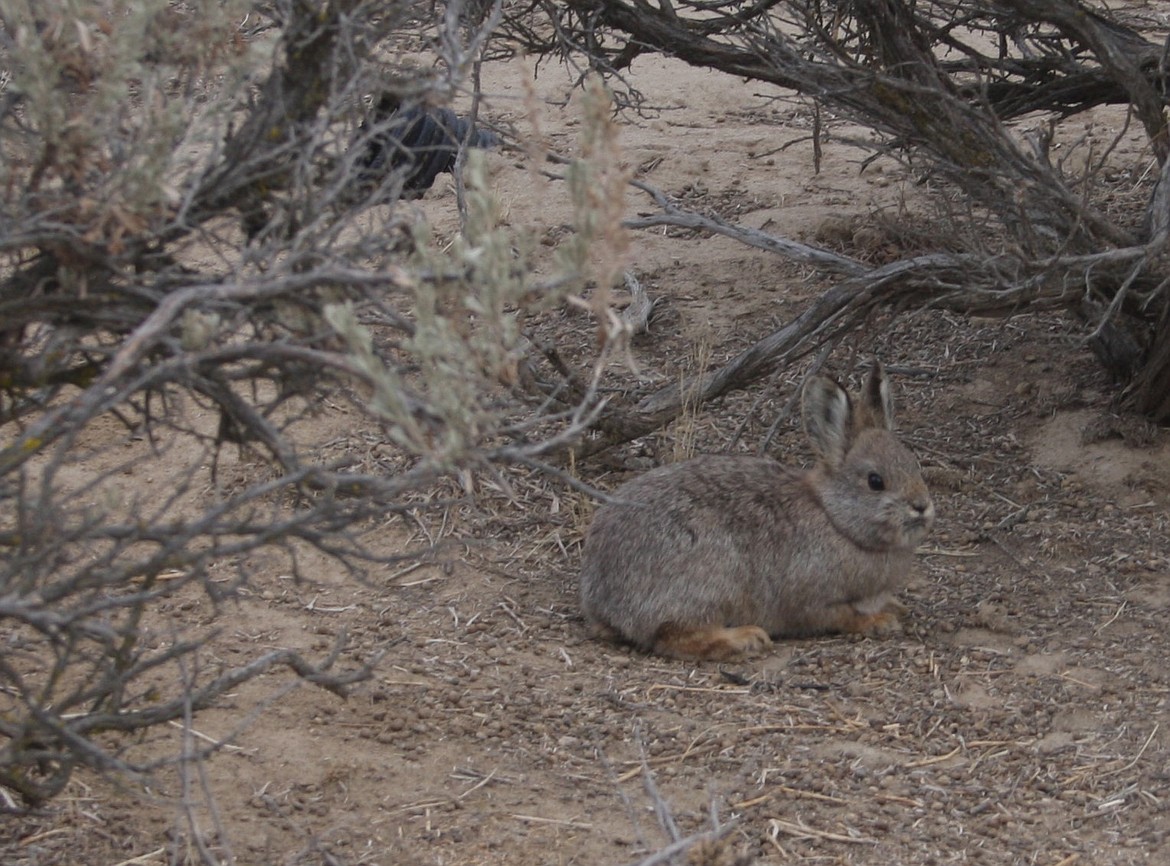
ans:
(827, 415)
(876, 404)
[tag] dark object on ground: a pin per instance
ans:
(421, 142)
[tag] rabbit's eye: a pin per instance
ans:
(876, 482)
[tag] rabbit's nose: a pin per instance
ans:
(924, 509)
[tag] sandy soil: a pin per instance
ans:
(1022, 718)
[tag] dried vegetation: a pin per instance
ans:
(357, 440)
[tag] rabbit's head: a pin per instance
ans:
(868, 482)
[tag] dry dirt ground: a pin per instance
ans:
(1022, 718)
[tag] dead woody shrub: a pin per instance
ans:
(190, 230)
(942, 86)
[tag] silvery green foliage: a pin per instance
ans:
(193, 273)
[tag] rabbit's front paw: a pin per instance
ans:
(884, 623)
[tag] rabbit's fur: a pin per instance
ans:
(717, 555)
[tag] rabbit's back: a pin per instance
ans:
(727, 539)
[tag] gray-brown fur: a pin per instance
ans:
(717, 555)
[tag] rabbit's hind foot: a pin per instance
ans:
(878, 623)
(710, 642)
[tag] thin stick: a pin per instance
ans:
(141, 858)
(937, 759)
(39, 837)
(802, 831)
(795, 792)
(1136, 757)
(665, 819)
(536, 819)
(478, 785)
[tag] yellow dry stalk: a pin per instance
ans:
(598, 180)
(686, 427)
